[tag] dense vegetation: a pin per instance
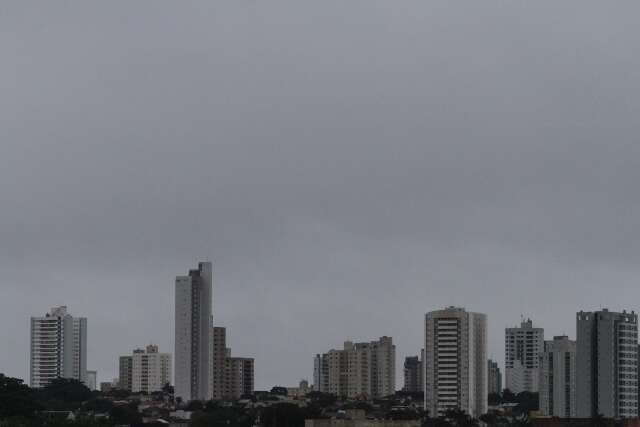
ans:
(21, 406)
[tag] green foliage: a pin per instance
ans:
(16, 399)
(64, 394)
(126, 414)
(283, 415)
(279, 391)
(216, 415)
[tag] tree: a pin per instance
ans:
(279, 391)
(126, 414)
(459, 418)
(16, 398)
(64, 394)
(283, 415)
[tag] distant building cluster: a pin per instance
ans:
(365, 369)
(595, 374)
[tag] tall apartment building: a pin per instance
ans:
(607, 364)
(494, 377)
(412, 374)
(150, 370)
(523, 347)
(321, 373)
(125, 378)
(455, 361)
(364, 369)
(193, 322)
(58, 347)
(231, 377)
(557, 394)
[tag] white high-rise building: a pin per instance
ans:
(522, 348)
(58, 347)
(193, 323)
(455, 362)
(558, 378)
(150, 370)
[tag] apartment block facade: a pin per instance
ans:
(412, 374)
(523, 346)
(193, 322)
(494, 377)
(231, 377)
(607, 364)
(455, 361)
(365, 369)
(557, 365)
(58, 347)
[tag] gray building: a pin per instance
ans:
(125, 377)
(523, 346)
(193, 323)
(58, 347)
(321, 373)
(455, 362)
(494, 377)
(557, 394)
(607, 364)
(412, 374)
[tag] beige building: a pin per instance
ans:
(231, 377)
(145, 370)
(364, 369)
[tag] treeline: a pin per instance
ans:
(22, 406)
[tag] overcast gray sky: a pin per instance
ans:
(346, 165)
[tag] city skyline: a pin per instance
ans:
(345, 167)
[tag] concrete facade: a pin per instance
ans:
(494, 377)
(365, 369)
(558, 378)
(455, 362)
(58, 347)
(150, 370)
(607, 364)
(523, 346)
(231, 377)
(193, 322)
(413, 374)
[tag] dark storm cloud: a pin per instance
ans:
(347, 166)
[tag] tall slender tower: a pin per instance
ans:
(193, 324)
(607, 364)
(455, 362)
(558, 378)
(58, 347)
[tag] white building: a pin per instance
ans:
(193, 323)
(150, 370)
(522, 348)
(58, 347)
(558, 378)
(455, 362)
(92, 380)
